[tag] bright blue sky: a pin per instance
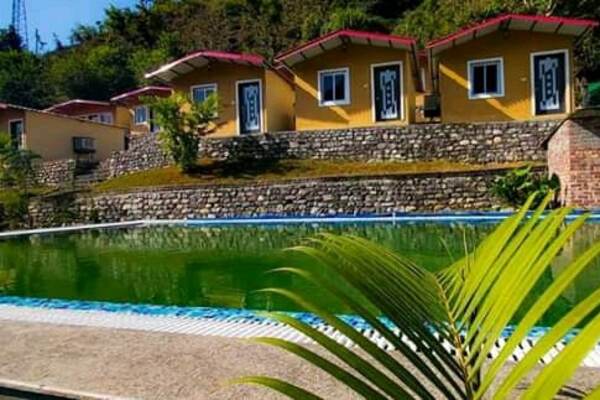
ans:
(59, 16)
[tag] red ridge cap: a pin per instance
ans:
(521, 17)
(409, 41)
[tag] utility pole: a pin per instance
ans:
(19, 21)
(39, 43)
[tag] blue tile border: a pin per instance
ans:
(217, 314)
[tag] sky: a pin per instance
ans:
(59, 16)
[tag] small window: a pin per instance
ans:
(141, 115)
(334, 87)
(202, 92)
(106, 118)
(486, 78)
(15, 128)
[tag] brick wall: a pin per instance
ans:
(574, 155)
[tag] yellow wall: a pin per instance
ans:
(279, 103)
(122, 116)
(515, 47)
(225, 76)
(8, 115)
(358, 58)
(51, 136)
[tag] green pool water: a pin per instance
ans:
(224, 266)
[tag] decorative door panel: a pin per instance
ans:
(549, 82)
(249, 98)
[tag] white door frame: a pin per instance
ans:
(386, 64)
(237, 105)
(568, 97)
(22, 120)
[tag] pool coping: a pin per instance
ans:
(442, 217)
(228, 323)
(55, 391)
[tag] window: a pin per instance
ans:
(105, 118)
(486, 78)
(140, 115)
(201, 92)
(334, 87)
(15, 128)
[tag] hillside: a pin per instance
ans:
(112, 57)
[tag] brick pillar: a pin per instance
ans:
(574, 156)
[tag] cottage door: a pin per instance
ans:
(549, 82)
(249, 107)
(387, 87)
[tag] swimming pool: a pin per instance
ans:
(221, 266)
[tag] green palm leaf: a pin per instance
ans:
(467, 305)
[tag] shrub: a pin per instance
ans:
(182, 122)
(518, 185)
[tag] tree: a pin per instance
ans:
(465, 306)
(182, 122)
(354, 18)
(10, 40)
(16, 165)
(23, 79)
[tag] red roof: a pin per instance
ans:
(80, 107)
(201, 58)
(536, 23)
(336, 38)
(133, 96)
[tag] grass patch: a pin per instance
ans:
(209, 172)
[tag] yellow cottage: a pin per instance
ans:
(351, 78)
(57, 136)
(92, 110)
(141, 118)
(253, 96)
(512, 67)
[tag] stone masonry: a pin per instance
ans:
(471, 143)
(324, 197)
(574, 156)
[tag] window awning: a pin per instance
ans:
(532, 23)
(80, 107)
(335, 39)
(200, 59)
(133, 97)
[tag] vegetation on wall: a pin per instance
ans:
(113, 55)
(516, 186)
(16, 178)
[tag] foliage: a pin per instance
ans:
(111, 56)
(16, 165)
(466, 306)
(517, 185)
(23, 79)
(182, 122)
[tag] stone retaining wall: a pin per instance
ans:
(326, 197)
(472, 143)
(55, 173)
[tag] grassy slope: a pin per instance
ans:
(216, 173)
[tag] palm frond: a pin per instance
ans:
(466, 306)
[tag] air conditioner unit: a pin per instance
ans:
(84, 145)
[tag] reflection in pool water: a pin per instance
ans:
(223, 266)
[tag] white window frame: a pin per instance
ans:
(213, 86)
(501, 83)
(145, 122)
(568, 98)
(237, 106)
(22, 121)
(373, 111)
(344, 102)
